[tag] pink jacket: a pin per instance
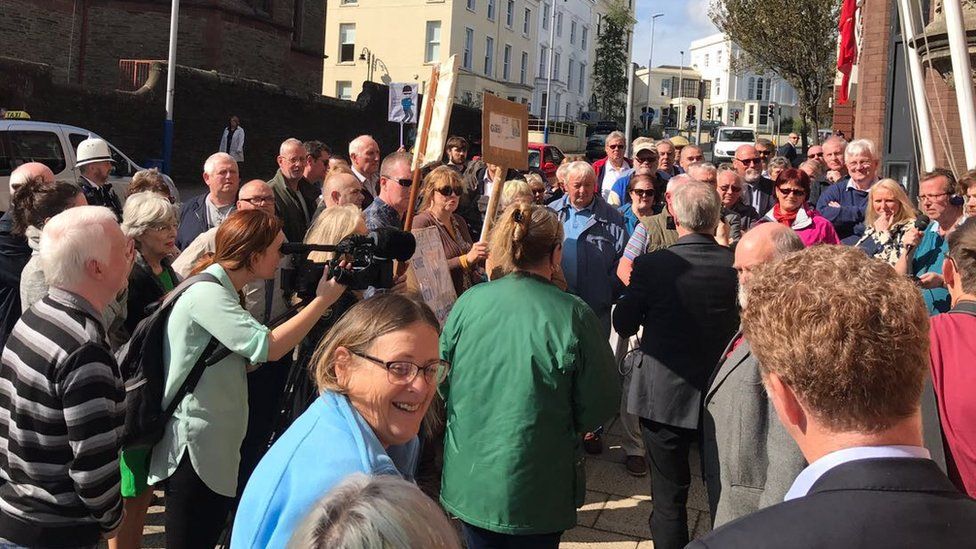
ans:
(810, 226)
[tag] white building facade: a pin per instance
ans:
(740, 99)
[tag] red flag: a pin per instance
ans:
(847, 56)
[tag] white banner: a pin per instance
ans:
(440, 117)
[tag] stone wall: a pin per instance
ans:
(203, 102)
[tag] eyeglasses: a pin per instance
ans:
(615, 147)
(815, 155)
(861, 164)
(729, 188)
(786, 191)
(258, 200)
(647, 159)
(763, 153)
(403, 182)
(749, 160)
(931, 197)
(401, 372)
(643, 192)
(448, 191)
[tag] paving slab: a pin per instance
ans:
(592, 507)
(582, 537)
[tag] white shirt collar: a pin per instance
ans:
(809, 476)
(851, 185)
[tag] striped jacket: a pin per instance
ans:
(61, 413)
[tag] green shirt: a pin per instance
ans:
(531, 371)
(210, 422)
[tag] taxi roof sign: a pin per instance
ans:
(15, 115)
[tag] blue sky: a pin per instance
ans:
(683, 21)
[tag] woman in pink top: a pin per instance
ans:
(793, 210)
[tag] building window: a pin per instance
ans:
(572, 35)
(491, 10)
(582, 77)
(347, 42)
(569, 72)
(718, 87)
(545, 16)
(468, 48)
(542, 61)
(666, 87)
(566, 116)
(759, 89)
(555, 66)
(706, 59)
(432, 53)
(489, 56)
(557, 100)
(751, 120)
(559, 24)
(507, 63)
(763, 115)
(471, 5)
(524, 67)
(718, 57)
(345, 2)
(544, 105)
(510, 13)
(751, 90)
(526, 21)
(583, 37)
(344, 90)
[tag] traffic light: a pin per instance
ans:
(690, 112)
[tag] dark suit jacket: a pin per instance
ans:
(684, 296)
(193, 221)
(749, 461)
(868, 503)
(760, 195)
(145, 289)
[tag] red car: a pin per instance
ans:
(544, 159)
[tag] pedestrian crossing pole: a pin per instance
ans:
(174, 23)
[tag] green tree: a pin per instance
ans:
(610, 69)
(796, 39)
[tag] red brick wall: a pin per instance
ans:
(872, 80)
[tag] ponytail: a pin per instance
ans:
(524, 236)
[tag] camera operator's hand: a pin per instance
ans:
(477, 253)
(329, 289)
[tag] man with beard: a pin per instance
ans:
(759, 190)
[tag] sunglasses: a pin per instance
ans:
(749, 160)
(403, 182)
(448, 191)
(643, 193)
(815, 155)
(648, 159)
(615, 147)
(787, 192)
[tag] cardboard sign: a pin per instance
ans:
(440, 116)
(431, 274)
(403, 103)
(504, 133)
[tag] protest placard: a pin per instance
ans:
(429, 273)
(504, 143)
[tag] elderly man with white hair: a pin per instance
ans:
(845, 202)
(364, 156)
(208, 210)
(63, 388)
(295, 197)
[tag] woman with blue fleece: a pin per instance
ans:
(377, 371)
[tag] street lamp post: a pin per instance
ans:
(681, 92)
(552, 49)
(174, 22)
(367, 56)
(650, 60)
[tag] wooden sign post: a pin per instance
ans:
(504, 144)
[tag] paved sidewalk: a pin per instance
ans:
(618, 505)
(613, 517)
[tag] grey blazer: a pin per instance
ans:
(749, 460)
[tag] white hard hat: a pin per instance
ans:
(91, 150)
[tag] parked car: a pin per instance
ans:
(596, 146)
(544, 159)
(604, 127)
(728, 139)
(53, 144)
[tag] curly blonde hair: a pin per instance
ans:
(907, 210)
(854, 353)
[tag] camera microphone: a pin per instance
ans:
(393, 244)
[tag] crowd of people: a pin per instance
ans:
(798, 319)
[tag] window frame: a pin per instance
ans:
(507, 62)
(352, 50)
(429, 43)
(489, 68)
(467, 54)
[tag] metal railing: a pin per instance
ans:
(560, 125)
(134, 72)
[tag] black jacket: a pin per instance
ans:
(868, 503)
(144, 290)
(193, 221)
(684, 296)
(14, 255)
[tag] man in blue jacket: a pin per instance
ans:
(845, 202)
(208, 210)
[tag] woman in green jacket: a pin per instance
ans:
(532, 371)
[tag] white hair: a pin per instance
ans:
(287, 143)
(677, 180)
(212, 160)
(143, 210)
(71, 239)
(704, 167)
(581, 169)
(860, 147)
(374, 511)
(616, 134)
(357, 145)
(696, 206)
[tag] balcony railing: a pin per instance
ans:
(134, 72)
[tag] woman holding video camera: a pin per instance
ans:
(532, 372)
(199, 454)
(377, 371)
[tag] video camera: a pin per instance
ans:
(370, 257)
